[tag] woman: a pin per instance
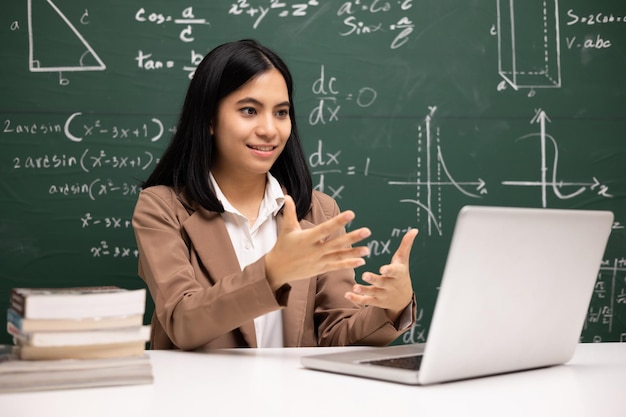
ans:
(235, 246)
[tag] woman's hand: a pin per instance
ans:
(300, 254)
(392, 289)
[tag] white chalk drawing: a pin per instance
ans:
(35, 65)
(529, 43)
(432, 175)
(554, 183)
(609, 298)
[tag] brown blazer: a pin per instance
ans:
(204, 300)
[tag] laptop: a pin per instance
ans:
(514, 296)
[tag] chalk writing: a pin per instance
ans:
(417, 333)
(103, 160)
(39, 58)
(323, 163)
(107, 222)
(93, 190)
(278, 7)
(87, 161)
(77, 127)
(554, 183)
(328, 97)
(187, 19)
(77, 130)
(103, 249)
(589, 42)
(384, 247)
(433, 175)
(591, 19)
(44, 161)
(364, 18)
(31, 128)
(540, 29)
(609, 298)
(148, 62)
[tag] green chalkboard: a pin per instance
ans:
(408, 109)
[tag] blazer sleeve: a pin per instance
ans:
(340, 322)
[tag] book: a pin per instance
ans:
(48, 325)
(77, 303)
(80, 337)
(93, 351)
(19, 375)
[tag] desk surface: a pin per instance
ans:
(271, 382)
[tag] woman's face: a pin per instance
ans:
(252, 126)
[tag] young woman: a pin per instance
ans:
(235, 246)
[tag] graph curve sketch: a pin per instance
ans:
(432, 175)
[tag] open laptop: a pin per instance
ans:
(514, 296)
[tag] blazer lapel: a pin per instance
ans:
(211, 241)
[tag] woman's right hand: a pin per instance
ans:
(300, 254)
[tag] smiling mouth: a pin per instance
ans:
(262, 148)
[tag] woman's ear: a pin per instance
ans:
(211, 128)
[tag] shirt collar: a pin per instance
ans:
(273, 199)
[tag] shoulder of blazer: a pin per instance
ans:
(323, 207)
(173, 198)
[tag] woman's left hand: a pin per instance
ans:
(392, 289)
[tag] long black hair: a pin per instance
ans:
(186, 163)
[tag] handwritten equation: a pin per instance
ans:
(93, 190)
(108, 222)
(324, 163)
(361, 18)
(78, 127)
(329, 99)
(609, 300)
(104, 249)
(87, 161)
(357, 18)
(258, 11)
(187, 19)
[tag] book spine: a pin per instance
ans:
(18, 302)
(15, 332)
(15, 319)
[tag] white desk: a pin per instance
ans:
(272, 382)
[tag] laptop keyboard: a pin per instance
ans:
(405, 362)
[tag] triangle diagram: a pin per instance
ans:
(54, 43)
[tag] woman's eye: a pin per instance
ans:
(282, 113)
(248, 110)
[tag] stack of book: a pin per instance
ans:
(75, 337)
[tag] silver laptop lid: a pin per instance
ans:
(515, 290)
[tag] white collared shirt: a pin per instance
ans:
(251, 243)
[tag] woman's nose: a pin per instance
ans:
(267, 126)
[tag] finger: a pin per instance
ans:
(404, 250)
(344, 263)
(394, 270)
(346, 255)
(365, 295)
(378, 281)
(290, 218)
(346, 240)
(356, 299)
(323, 230)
